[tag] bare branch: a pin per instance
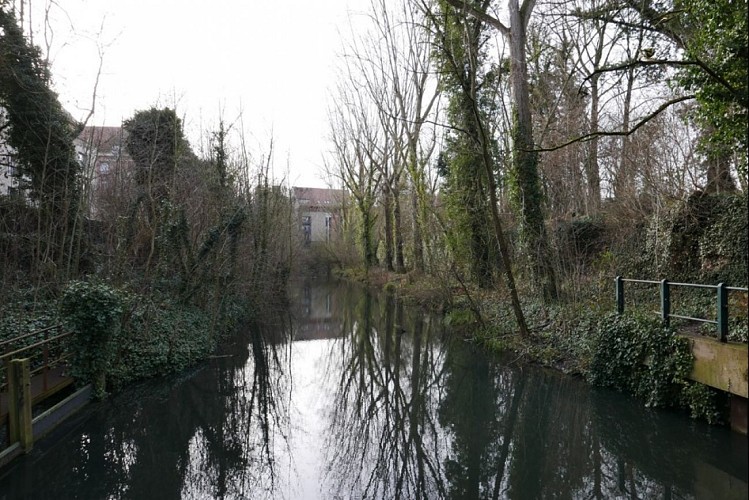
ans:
(482, 16)
(666, 62)
(619, 133)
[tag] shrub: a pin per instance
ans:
(92, 310)
(638, 355)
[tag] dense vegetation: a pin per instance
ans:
(148, 262)
(544, 148)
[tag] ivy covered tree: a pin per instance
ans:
(156, 143)
(461, 54)
(473, 107)
(525, 185)
(41, 134)
(715, 38)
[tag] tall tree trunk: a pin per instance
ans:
(397, 228)
(624, 184)
(387, 208)
(418, 242)
(592, 175)
(718, 163)
(527, 190)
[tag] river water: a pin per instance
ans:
(372, 400)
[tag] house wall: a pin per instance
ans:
(6, 181)
(319, 232)
(318, 210)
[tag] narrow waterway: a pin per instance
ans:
(352, 395)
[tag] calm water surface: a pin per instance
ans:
(372, 400)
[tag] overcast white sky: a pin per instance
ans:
(272, 59)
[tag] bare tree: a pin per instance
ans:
(360, 154)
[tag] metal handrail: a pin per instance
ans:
(665, 291)
(692, 285)
(32, 346)
(639, 281)
(27, 335)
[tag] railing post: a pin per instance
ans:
(19, 408)
(619, 295)
(45, 355)
(722, 312)
(665, 303)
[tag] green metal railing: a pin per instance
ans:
(722, 292)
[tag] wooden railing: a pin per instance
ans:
(34, 366)
(43, 354)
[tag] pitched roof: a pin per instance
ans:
(103, 138)
(318, 196)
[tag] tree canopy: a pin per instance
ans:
(36, 126)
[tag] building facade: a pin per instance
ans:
(8, 180)
(105, 162)
(319, 212)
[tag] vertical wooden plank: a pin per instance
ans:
(13, 423)
(22, 397)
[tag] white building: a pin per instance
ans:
(319, 212)
(8, 183)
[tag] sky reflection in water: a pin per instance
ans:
(372, 400)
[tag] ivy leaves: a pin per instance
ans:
(92, 310)
(638, 355)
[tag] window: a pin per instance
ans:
(307, 229)
(104, 168)
(328, 225)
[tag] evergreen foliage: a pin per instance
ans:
(461, 55)
(702, 239)
(715, 34)
(41, 132)
(92, 311)
(636, 354)
(156, 143)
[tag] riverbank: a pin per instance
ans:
(119, 336)
(267, 419)
(585, 339)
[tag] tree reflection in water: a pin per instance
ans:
(417, 415)
(207, 434)
(232, 454)
(383, 440)
(377, 403)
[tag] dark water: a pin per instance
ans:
(371, 400)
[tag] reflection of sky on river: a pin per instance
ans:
(377, 403)
(299, 472)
